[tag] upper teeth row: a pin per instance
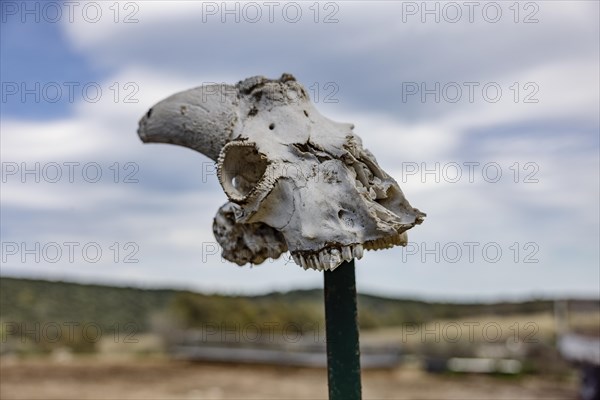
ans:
(328, 259)
(386, 242)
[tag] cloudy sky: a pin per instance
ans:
(487, 114)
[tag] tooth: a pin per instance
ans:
(329, 261)
(322, 259)
(318, 265)
(335, 260)
(372, 193)
(308, 262)
(403, 238)
(315, 265)
(347, 253)
(303, 262)
(334, 254)
(358, 251)
(297, 259)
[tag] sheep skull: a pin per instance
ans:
(295, 180)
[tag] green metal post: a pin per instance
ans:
(341, 325)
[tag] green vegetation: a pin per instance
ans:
(27, 300)
(24, 303)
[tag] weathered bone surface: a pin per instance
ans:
(246, 243)
(296, 180)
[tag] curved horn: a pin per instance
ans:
(203, 119)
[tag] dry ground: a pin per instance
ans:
(163, 379)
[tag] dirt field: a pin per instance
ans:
(163, 379)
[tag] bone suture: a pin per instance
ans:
(296, 181)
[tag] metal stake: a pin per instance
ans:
(341, 326)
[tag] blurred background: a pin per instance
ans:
(486, 113)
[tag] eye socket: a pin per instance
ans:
(241, 169)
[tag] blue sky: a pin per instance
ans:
(150, 212)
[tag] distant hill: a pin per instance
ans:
(25, 300)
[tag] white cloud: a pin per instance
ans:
(169, 213)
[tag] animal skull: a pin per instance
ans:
(296, 180)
